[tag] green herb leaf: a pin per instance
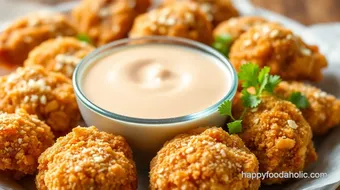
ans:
(250, 100)
(225, 108)
(84, 38)
(273, 81)
(222, 43)
(235, 127)
(263, 73)
(299, 100)
(248, 74)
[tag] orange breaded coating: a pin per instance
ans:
(278, 135)
(204, 159)
(273, 45)
(48, 95)
(323, 111)
(107, 20)
(28, 32)
(237, 26)
(181, 19)
(215, 10)
(59, 55)
(87, 159)
(23, 138)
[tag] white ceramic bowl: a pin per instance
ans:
(146, 136)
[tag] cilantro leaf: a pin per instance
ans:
(248, 74)
(222, 43)
(263, 73)
(273, 81)
(84, 38)
(299, 100)
(235, 127)
(250, 100)
(225, 108)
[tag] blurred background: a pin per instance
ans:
(305, 11)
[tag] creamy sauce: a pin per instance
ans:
(156, 81)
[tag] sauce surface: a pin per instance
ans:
(156, 81)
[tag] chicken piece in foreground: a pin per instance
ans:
(107, 20)
(272, 45)
(59, 55)
(323, 111)
(48, 95)
(215, 10)
(278, 135)
(180, 19)
(87, 159)
(204, 159)
(28, 32)
(23, 138)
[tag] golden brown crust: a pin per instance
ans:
(87, 159)
(237, 26)
(23, 138)
(216, 11)
(28, 32)
(203, 159)
(278, 135)
(107, 20)
(273, 45)
(48, 95)
(59, 55)
(181, 19)
(323, 113)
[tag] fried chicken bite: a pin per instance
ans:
(204, 159)
(23, 138)
(107, 20)
(323, 111)
(215, 10)
(237, 26)
(278, 135)
(87, 159)
(28, 32)
(48, 95)
(180, 19)
(59, 55)
(274, 46)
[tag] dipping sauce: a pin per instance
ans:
(156, 81)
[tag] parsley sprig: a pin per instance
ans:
(222, 44)
(252, 77)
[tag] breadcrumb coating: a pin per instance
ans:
(274, 46)
(237, 26)
(48, 95)
(203, 159)
(215, 10)
(23, 138)
(180, 19)
(278, 135)
(324, 109)
(107, 20)
(28, 32)
(87, 159)
(59, 55)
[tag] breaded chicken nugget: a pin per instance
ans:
(87, 159)
(237, 26)
(278, 135)
(215, 10)
(48, 95)
(107, 20)
(23, 138)
(28, 32)
(323, 111)
(59, 55)
(204, 159)
(181, 19)
(273, 45)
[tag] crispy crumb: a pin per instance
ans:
(203, 159)
(87, 159)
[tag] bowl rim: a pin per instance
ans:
(165, 39)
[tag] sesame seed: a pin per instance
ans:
(254, 110)
(206, 7)
(265, 29)
(247, 43)
(189, 150)
(289, 36)
(322, 94)
(256, 36)
(170, 21)
(43, 99)
(98, 159)
(306, 51)
(19, 140)
(77, 169)
(104, 12)
(274, 33)
(223, 153)
(292, 124)
(189, 17)
(26, 99)
(256, 121)
(34, 98)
